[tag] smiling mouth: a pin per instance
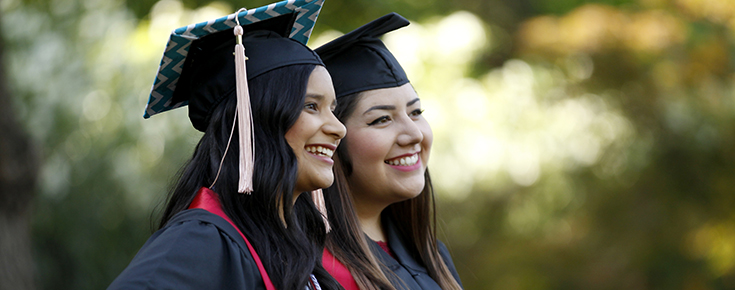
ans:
(404, 161)
(320, 151)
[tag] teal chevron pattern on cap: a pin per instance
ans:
(181, 39)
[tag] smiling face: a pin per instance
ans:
(388, 143)
(316, 134)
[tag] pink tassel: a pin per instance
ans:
(318, 197)
(244, 117)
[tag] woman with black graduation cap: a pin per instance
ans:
(383, 222)
(241, 215)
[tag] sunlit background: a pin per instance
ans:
(578, 144)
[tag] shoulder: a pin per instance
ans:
(195, 250)
(442, 249)
(444, 252)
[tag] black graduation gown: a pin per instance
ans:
(412, 273)
(196, 250)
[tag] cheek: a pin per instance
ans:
(293, 135)
(300, 132)
(364, 147)
(292, 142)
(428, 139)
(428, 136)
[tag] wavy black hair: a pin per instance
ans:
(415, 219)
(290, 248)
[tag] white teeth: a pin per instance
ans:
(405, 161)
(319, 150)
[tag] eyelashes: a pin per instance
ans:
(385, 119)
(380, 120)
(310, 106)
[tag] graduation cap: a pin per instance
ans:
(205, 63)
(359, 61)
(293, 19)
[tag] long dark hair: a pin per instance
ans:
(415, 219)
(290, 248)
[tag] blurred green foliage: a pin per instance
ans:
(578, 144)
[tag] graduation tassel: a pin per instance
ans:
(244, 116)
(318, 197)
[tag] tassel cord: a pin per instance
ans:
(318, 197)
(229, 140)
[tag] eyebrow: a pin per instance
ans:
(412, 102)
(321, 98)
(380, 107)
(389, 107)
(315, 96)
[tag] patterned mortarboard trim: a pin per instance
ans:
(180, 40)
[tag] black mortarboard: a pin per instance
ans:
(359, 61)
(198, 60)
(209, 75)
(205, 63)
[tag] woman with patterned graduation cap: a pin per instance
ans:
(241, 215)
(385, 233)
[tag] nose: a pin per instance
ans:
(410, 133)
(333, 127)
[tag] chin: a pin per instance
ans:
(325, 183)
(404, 196)
(411, 192)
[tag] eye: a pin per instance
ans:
(416, 113)
(310, 106)
(381, 120)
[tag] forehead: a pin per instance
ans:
(396, 96)
(320, 83)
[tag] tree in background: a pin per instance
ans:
(18, 172)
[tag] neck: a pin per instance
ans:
(372, 226)
(369, 212)
(280, 208)
(295, 197)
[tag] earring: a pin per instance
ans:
(318, 197)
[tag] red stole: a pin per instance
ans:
(338, 271)
(207, 200)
